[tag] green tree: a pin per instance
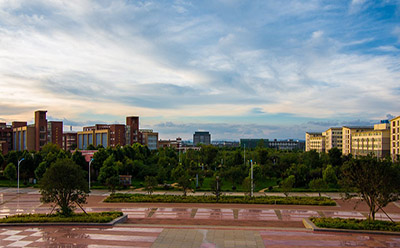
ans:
(287, 184)
(182, 177)
(317, 184)
(64, 184)
(1, 160)
(375, 181)
(329, 176)
(79, 159)
(335, 157)
(10, 172)
(109, 173)
(40, 170)
(150, 184)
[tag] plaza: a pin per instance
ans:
(190, 225)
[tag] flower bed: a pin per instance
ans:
(355, 224)
(102, 217)
(319, 201)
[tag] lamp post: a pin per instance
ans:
(90, 162)
(251, 176)
(19, 161)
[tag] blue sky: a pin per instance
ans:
(239, 69)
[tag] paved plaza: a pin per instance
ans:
(189, 225)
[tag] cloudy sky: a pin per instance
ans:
(239, 69)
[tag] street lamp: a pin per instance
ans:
(90, 162)
(252, 185)
(19, 161)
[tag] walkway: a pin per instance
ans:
(189, 225)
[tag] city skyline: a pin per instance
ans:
(254, 69)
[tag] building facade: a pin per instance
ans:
(317, 143)
(55, 133)
(347, 133)
(310, 135)
(24, 138)
(376, 142)
(149, 138)
(395, 138)
(40, 129)
(132, 134)
(93, 137)
(333, 138)
(6, 135)
(69, 141)
(201, 138)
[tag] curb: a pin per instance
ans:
(118, 220)
(308, 224)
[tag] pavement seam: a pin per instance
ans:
(278, 214)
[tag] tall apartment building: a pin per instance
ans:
(333, 138)
(376, 141)
(317, 141)
(40, 129)
(5, 138)
(395, 138)
(69, 141)
(149, 138)
(347, 133)
(201, 137)
(132, 130)
(55, 133)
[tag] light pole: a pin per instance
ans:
(90, 162)
(19, 161)
(251, 176)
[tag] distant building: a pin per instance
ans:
(225, 144)
(55, 133)
(395, 138)
(149, 138)
(40, 129)
(288, 144)
(314, 141)
(376, 141)
(333, 138)
(201, 138)
(24, 138)
(170, 143)
(132, 134)
(93, 137)
(347, 133)
(5, 138)
(70, 141)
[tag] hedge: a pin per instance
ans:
(356, 224)
(102, 217)
(294, 200)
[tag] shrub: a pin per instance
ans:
(355, 224)
(102, 217)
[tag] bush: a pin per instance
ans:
(102, 217)
(319, 201)
(355, 224)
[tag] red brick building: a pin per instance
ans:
(5, 138)
(55, 133)
(40, 129)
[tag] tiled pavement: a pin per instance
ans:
(174, 237)
(163, 235)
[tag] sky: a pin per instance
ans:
(239, 69)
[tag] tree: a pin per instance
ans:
(329, 175)
(182, 177)
(150, 183)
(109, 173)
(40, 170)
(287, 184)
(1, 160)
(64, 184)
(10, 171)
(317, 184)
(377, 182)
(79, 159)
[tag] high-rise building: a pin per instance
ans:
(376, 141)
(347, 132)
(395, 138)
(55, 133)
(333, 138)
(201, 138)
(132, 134)
(40, 129)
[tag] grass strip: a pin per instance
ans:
(292, 200)
(102, 217)
(356, 224)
